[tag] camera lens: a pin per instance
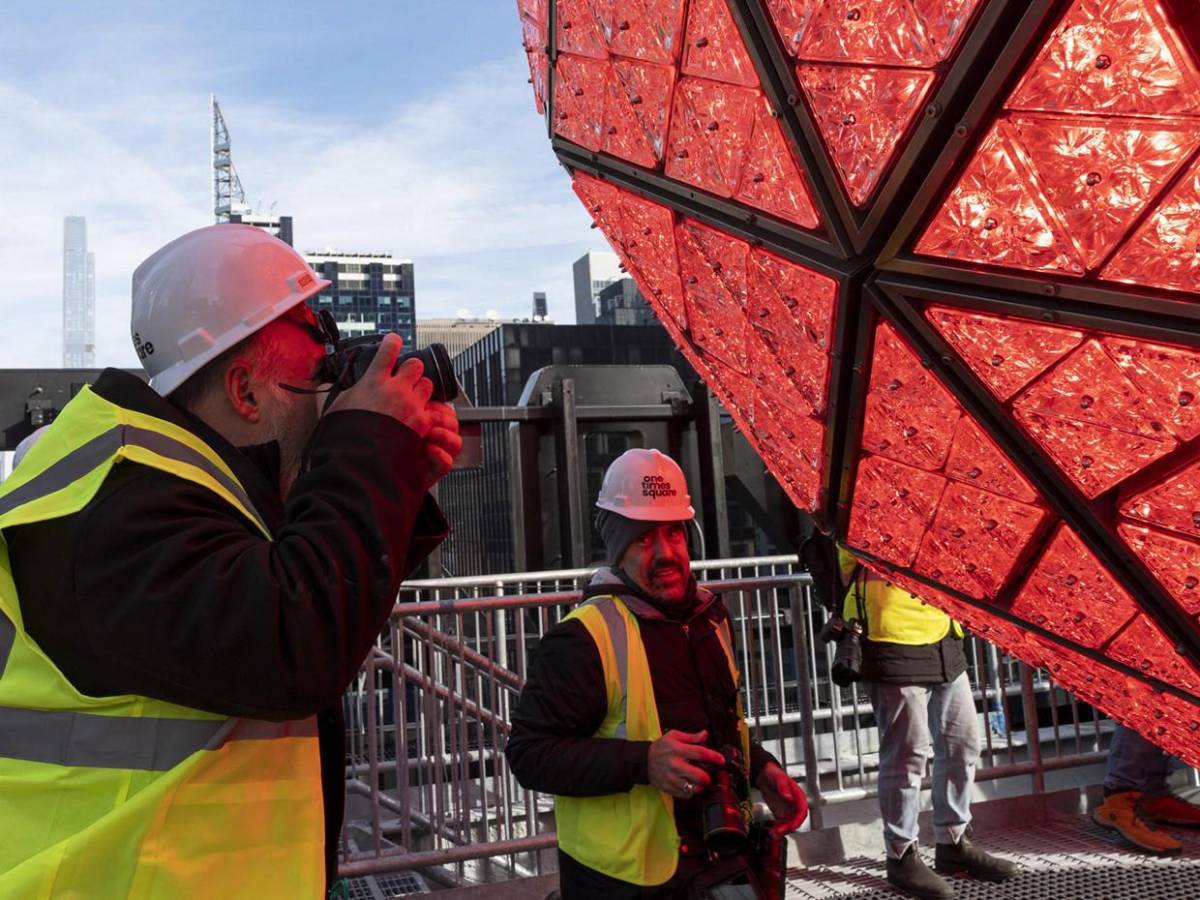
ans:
(724, 827)
(434, 359)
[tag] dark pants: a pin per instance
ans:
(692, 879)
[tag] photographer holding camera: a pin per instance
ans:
(910, 657)
(631, 717)
(198, 568)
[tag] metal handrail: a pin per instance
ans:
(432, 707)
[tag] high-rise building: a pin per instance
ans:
(79, 296)
(540, 312)
(456, 335)
(593, 271)
(371, 293)
(621, 303)
(280, 226)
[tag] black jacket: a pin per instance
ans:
(564, 701)
(159, 587)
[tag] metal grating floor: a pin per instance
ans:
(1067, 858)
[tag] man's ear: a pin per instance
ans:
(239, 390)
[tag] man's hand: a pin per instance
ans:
(672, 761)
(784, 798)
(443, 443)
(403, 396)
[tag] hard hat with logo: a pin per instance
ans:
(207, 290)
(647, 486)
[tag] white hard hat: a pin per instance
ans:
(207, 290)
(646, 485)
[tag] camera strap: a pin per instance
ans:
(860, 588)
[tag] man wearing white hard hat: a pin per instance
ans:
(631, 714)
(191, 572)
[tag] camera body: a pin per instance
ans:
(847, 665)
(352, 357)
(724, 824)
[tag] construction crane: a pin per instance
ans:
(228, 195)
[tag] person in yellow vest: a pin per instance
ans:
(631, 713)
(915, 673)
(191, 572)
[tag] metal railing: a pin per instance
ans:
(429, 713)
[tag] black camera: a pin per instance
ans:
(350, 361)
(847, 665)
(725, 832)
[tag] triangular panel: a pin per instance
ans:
(714, 47)
(1005, 353)
(1165, 251)
(535, 41)
(1173, 503)
(580, 86)
(578, 30)
(1114, 57)
(863, 113)
(711, 126)
(1070, 593)
(882, 32)
(1098, 174)
(644, 29)
(636, 110)
(995, 215)
(1143, 646)
(1173, 560)
(770, 179)
(713, 266)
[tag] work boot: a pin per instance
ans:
(1169, 810)
(964, 856)
(1119, 813)
(910, 874)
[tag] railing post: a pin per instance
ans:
(812, 772)
(1032, 741)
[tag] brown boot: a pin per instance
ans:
(1169, 810)
(966, 857)
(1119, 813)
(910, 874)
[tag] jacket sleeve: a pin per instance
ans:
(563, 703)
(189, 603)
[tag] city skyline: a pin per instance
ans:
(420, 145)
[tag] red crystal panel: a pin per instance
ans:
(1173, 560)
(770, 179)
(635, 114)
(710, 127)
(1093, 421)
(713, 266)
(863, 114)
(714, 46)
(892, 508)
(1098, 174)
(945, 22)
(885, 32)
(1170, 721)
(910, 416)
(791, 19)
(1142, 646)
(1005, 353)
(976, 539)
(791, 311)
(1073, 595)
(1115, 57)
(578, 30)
(995, 215)
(536, 43)
(1173, 504)
(644, 29)
(1170, 376)
(579, 92)
(975, 459)
(1165, 250)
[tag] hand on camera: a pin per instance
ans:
(404, 396)
(673, 760)
(442, 443)
(783, 797)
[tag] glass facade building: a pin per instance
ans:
(371, 293)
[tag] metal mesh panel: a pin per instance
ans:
(1063, 859)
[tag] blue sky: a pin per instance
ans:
(403, 127)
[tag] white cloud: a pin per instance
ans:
(464, 182)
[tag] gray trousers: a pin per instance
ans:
(915, 723)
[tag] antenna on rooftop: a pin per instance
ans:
(227, 187)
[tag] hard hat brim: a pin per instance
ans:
(644, 514)
(170, 378)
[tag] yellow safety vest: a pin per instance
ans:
(630, 836)
(894, 616)
(129, 796)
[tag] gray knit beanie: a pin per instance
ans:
(619, 532)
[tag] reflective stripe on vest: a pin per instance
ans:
(894, 615)
(630, 836)
(128, 796)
